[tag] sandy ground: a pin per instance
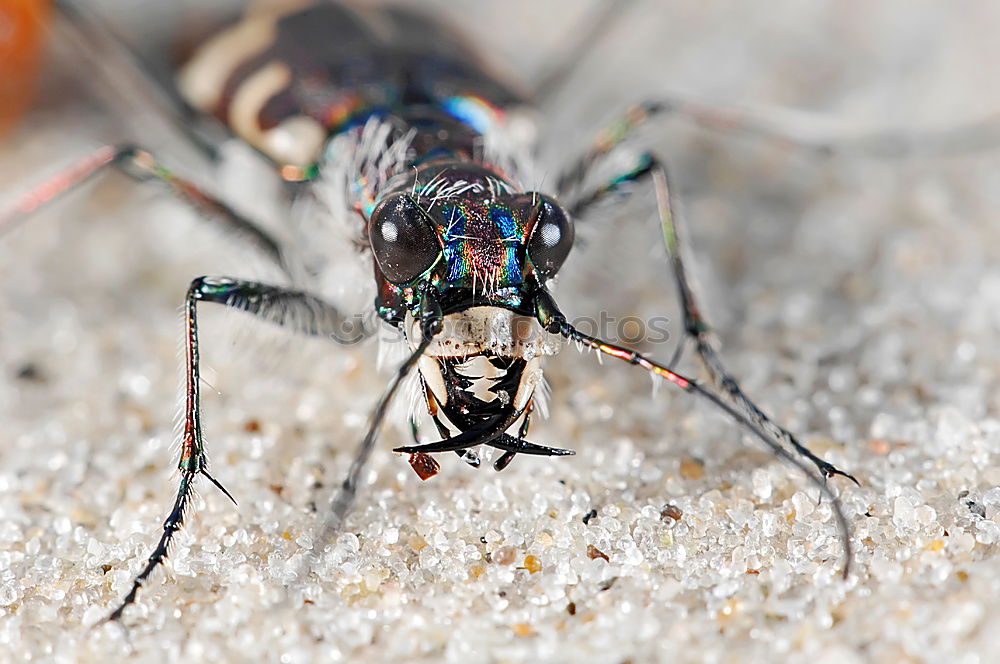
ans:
(856, 298)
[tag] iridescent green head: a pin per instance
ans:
(471, 236)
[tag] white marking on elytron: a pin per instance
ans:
(203, 79)
(298, 141)
(251, 96)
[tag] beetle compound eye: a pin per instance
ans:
(551, 236)
(403, 240)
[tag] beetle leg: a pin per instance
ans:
(555, 322)
(295, 309)
(141, 165)
(430, 325)
(795, 129)
(651, 169)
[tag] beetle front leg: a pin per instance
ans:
(298, 310)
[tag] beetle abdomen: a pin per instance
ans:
(284, 80)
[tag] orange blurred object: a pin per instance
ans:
(22, 33)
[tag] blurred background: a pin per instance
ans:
(857, 298)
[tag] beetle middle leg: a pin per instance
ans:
(649, 168)
(141, 165)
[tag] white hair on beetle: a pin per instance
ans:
(508, 145)
(327, 228)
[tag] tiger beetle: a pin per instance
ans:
(390, 108)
